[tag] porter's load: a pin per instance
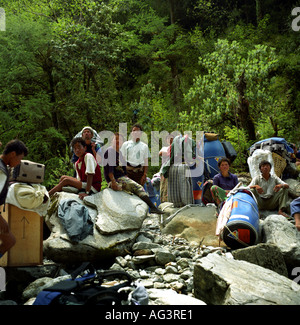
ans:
(278, 145)
(29, 172)
(213, 151)
(242, 228)
(230, 152)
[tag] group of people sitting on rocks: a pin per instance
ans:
(130, 175)
(270, 191)
(120, 175)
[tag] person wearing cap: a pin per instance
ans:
(270, 191)
(12, 155)
(92, 147)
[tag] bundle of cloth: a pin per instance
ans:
(31, 197)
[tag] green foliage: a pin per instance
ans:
(65, 64)
(240, 143)
(154, 110)
(214, 95)
(56, 167)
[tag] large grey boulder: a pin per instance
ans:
(277, 230)
(219, 280)
(117, 218)
(265, 255)
(171, 297)
(193, 223)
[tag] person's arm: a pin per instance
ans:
(95, 148)
(114, 184)
(123, 152)
(257, 187)
(254, 185)
(216, 180)
(279, 184)
(89, 182)
(90, 164)
(145, 167)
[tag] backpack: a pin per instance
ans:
(206, 196)
(88, 289)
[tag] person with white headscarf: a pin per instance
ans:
(92, 140)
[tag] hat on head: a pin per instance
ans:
(89, 128)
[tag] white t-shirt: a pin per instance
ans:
(164, 155)
(267, 185)
(135, 152)
(90, 164)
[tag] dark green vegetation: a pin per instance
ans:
(231, 67)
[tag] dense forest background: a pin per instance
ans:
(230, 67)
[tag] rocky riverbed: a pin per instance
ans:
(163, 264)
(175, 271)
(177, 258)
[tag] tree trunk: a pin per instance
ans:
(258, 11)
(172, 11)
(243, 113)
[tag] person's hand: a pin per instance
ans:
(258, 188)
(277, 187)
(82, 195)
(115, 186)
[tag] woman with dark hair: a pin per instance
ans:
(223, 182)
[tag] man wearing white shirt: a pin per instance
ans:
(136, 154)
(270, 191)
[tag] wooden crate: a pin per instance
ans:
(27, 227)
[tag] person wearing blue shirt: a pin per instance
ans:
(223, 182)
(295, 212)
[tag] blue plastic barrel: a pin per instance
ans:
(242, 227)
(197, 188)
(213, 151)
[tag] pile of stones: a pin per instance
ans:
(176, 271)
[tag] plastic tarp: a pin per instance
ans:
(276, 140)
(254, 160)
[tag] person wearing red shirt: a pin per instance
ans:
(88, 179)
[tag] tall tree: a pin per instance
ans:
(234, 77)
